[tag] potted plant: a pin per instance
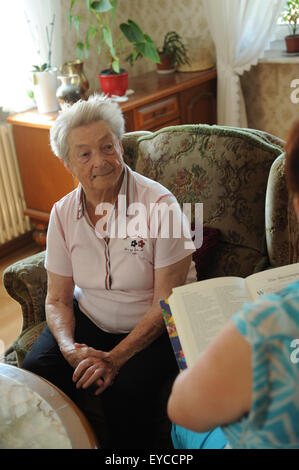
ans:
(44, 76)
(113, 80)
(291, 16)
(172, 53)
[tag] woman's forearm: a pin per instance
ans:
(149, 329)
(61, 321)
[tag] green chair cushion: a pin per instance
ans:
(26, 340)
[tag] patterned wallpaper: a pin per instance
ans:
(267, 93)
(266, 86)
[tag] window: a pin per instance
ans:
(282, 30)
(18, 51)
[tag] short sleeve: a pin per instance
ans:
(257, 320)
(173, 240)
(58, 259)
(249, 320)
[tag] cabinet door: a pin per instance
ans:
(198, 104)
(44, 177)
(129, 121)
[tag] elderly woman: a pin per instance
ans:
(105, 332)
(247, 381)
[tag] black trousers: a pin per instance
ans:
(132, 404)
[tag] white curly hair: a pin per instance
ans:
(82, 113)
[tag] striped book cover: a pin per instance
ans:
(173, 335)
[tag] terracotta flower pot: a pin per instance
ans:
(292, 43)
(166, 64)
(113, 84)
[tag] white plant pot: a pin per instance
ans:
(45, 86)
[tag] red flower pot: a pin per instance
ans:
(113, 84)
(292, 43)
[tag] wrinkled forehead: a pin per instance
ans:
(90, 133)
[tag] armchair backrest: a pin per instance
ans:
(226, 169)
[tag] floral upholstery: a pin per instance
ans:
(26, 282)
(276, 214)
(226, 169)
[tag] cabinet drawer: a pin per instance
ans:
(159, 112)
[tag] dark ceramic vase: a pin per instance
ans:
(68, 91)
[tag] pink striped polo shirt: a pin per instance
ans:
(114, 276)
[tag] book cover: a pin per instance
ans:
(173, 335)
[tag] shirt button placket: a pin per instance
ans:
(108, 267)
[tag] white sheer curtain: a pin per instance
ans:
(241, 30)
(18, 50)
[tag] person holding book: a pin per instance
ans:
(243, 390)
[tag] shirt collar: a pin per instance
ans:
(126, 190)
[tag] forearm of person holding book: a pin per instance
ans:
(217, 389)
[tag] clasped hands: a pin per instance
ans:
(92, 367)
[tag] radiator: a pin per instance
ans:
(13, 222)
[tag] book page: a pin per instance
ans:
(200, 310)
(272, 280)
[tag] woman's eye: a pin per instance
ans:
(108, 148)
(84, 156)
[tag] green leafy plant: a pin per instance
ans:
(36, 38)
(103, 12)
(173, 46)
(290, 15)
(41, 68)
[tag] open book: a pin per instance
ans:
(201, 309)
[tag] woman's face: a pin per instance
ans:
(95, 156)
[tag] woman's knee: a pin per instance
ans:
(30, 363)
(45, 359)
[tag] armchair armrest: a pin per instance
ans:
(26, 282)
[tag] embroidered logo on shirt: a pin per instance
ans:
(134, 245)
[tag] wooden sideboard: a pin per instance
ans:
(158, 101)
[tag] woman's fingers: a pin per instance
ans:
(101, 388)
(94, 369)
(92, 375)
(81, 367)
(85, 376)
(89, 371)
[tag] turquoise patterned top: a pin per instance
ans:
(271, 326)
